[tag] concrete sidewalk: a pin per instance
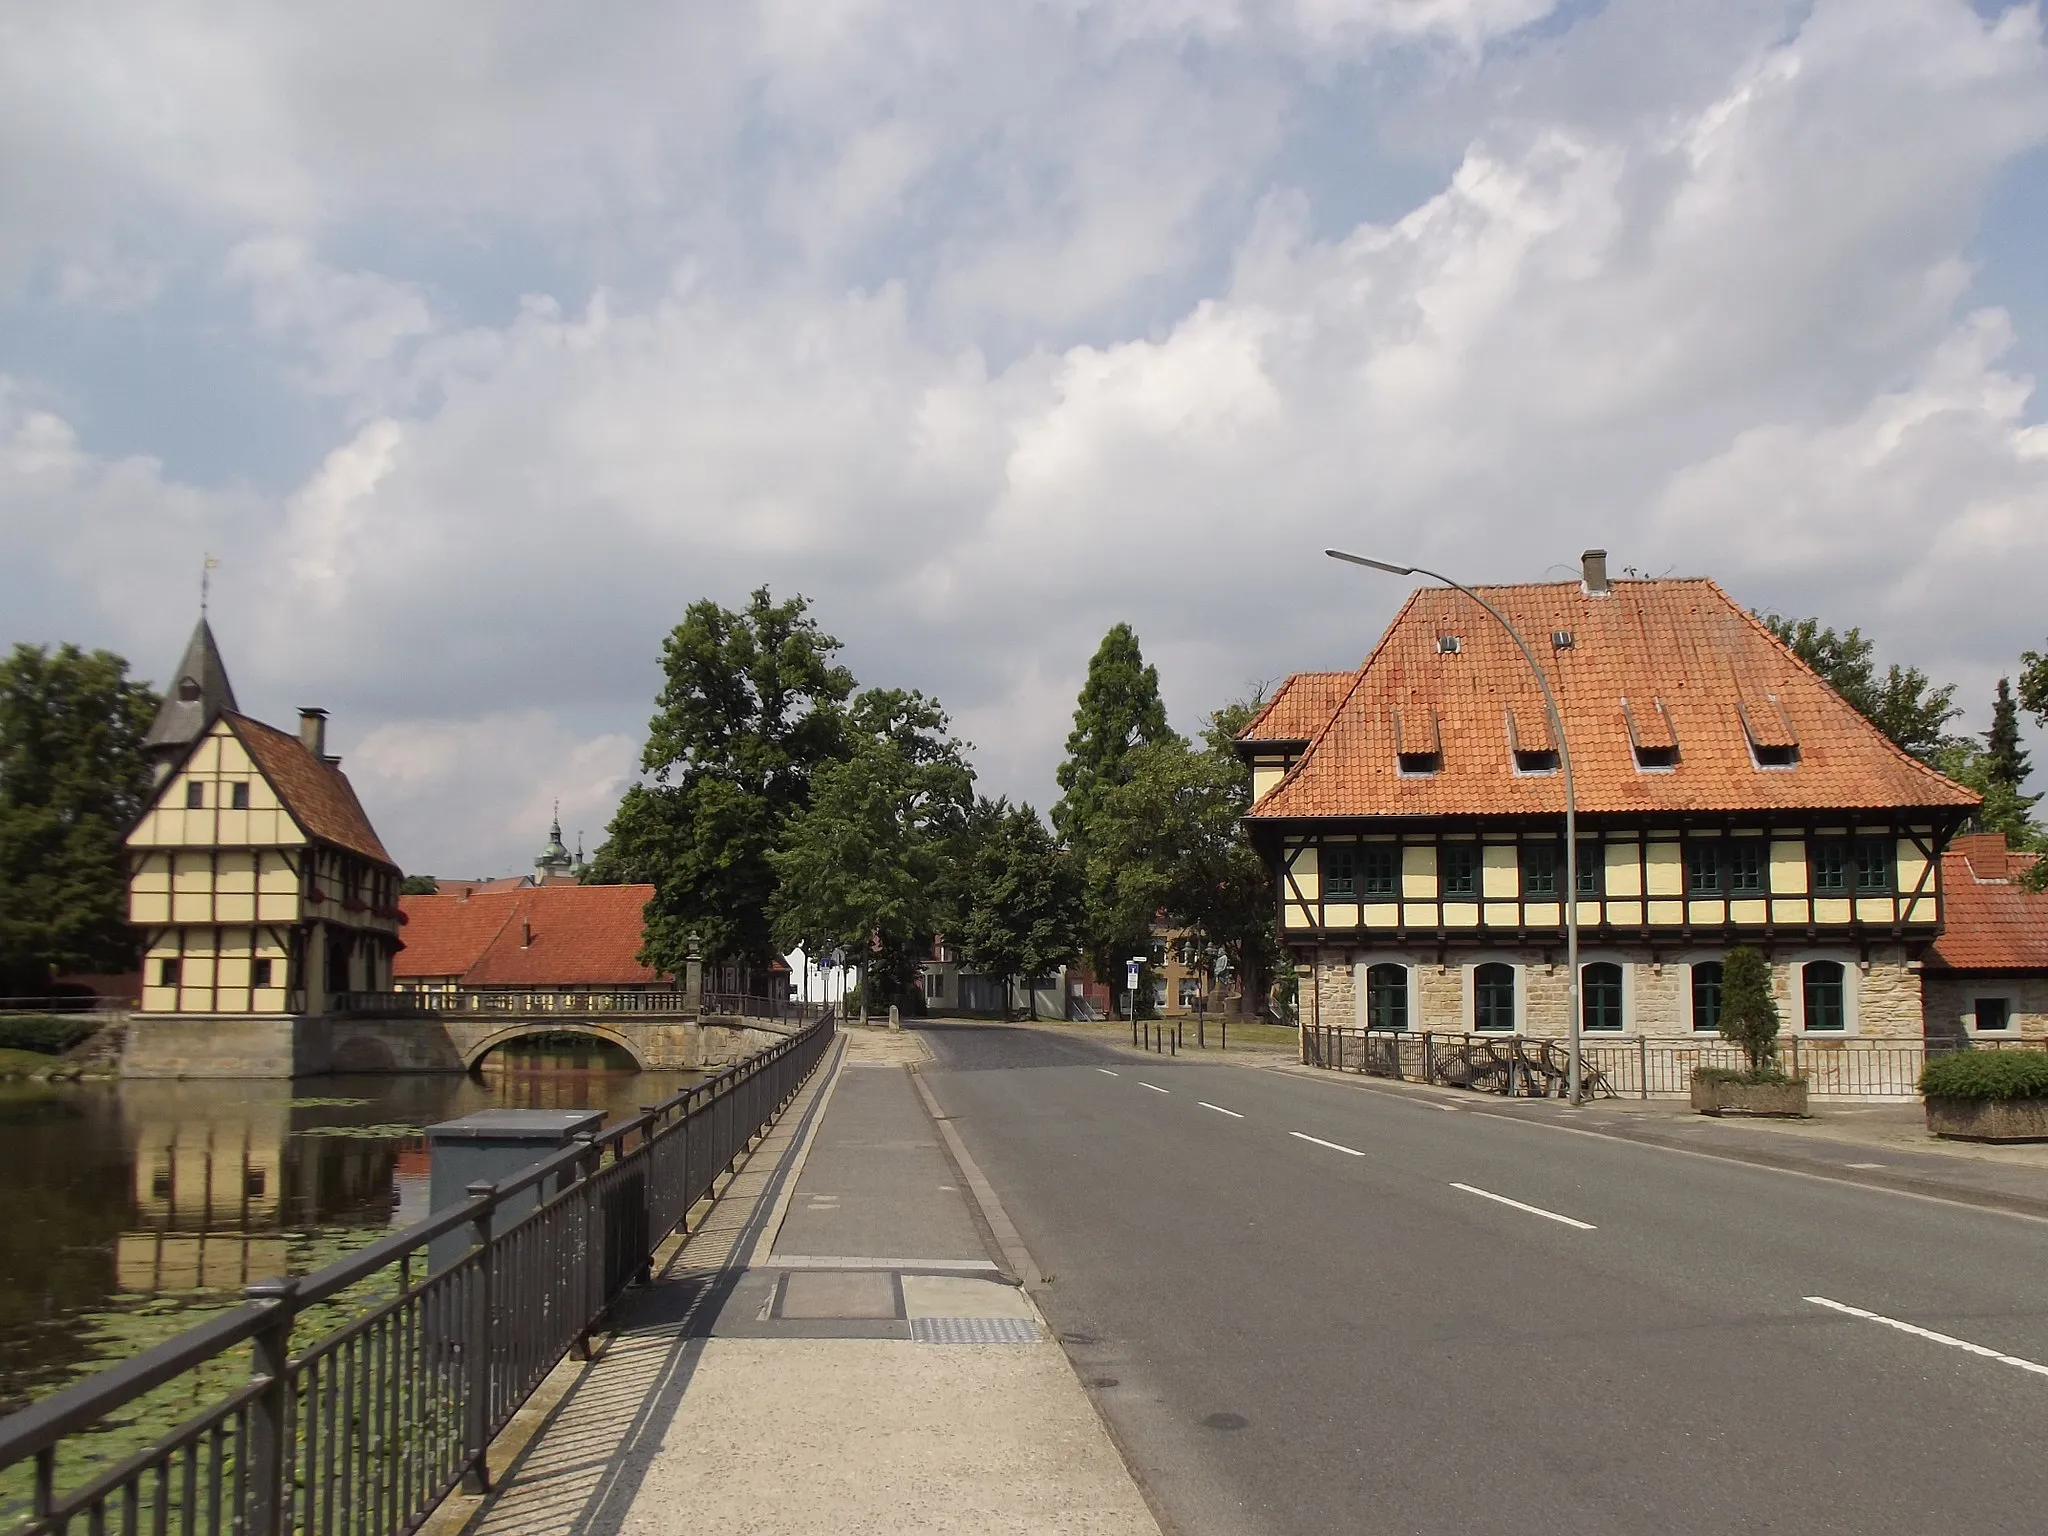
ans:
(838, 1349)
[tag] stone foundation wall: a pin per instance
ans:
(1884, 995)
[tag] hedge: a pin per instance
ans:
(1986, 1075)
(45, 1033)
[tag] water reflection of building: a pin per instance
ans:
(216, 1183)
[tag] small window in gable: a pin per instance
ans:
(238, 795)
(195, 795)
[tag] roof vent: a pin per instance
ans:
(1593, 572)
(1448, 645)
(1561, 640)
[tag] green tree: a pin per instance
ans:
(751, 708)
(1902, 703)
(858, 866)
(1168, 841)
(2034, 684)
(1118, 710)
(1749, 1012)
(2004, 809)
(2006, 758)
(418, 885)
(73, 779)
(1022, 917)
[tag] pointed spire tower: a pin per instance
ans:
(553, 863)
(199, 693)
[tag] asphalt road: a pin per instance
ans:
(1296, 1321)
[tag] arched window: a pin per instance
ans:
(1493, 998)
(1600, 996)
(1826, 1006)
(1386, 997)
(1706, 995)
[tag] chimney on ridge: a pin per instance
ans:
(313, 731)
(1593, 569)
(526, 933)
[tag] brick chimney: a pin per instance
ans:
(1593, 571)
(313, 731)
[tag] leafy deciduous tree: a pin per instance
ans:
(750, 710)
(73, 778)
(1902, 703)
(1023, 912)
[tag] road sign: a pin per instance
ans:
(1131, 976)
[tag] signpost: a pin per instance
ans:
(1131, 969)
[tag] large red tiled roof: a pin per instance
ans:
(1299, 708)
(539, 936)
(1990, 922)
(315, 791)
(1651, 662)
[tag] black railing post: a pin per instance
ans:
(476, 1346)
(270, 1412)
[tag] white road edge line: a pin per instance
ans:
(1928, 1333)
(1219, 1109)
(1153, 1086)
(1107, 1073)
(1333, 1146)
(1533, 1210)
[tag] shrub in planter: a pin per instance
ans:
(1749, 1019)
(1987, 1095)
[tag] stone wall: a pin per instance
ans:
(273, 1046)
(1884, 994)
(1952, 1004)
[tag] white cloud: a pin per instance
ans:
(1729, 327)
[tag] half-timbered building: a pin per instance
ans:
(255, 877)
(1412, 814)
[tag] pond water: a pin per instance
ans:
(128, 1210)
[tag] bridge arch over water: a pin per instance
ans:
(540, 1029)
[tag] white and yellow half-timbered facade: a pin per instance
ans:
(257, 881)
(1412, 814)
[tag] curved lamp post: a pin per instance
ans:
(1571, 807)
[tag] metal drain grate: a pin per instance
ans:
(974, 1330)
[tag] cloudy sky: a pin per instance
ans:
(477, 340)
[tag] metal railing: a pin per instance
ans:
(491, 1002)
(369, 1426)
(1638, 1068)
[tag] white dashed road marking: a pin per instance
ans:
(1928, 1333)
(1333, 1146)
(1533, 1210)
(1219, 1109)
(1107, 1073)
(1153, 1086)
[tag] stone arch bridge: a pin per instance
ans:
(454, 1031)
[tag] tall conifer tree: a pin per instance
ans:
(1119, 708)
(2007, 760)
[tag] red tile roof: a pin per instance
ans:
(1990, 921)
(1652, 662)
(539, 936)
(1297, 711)
(316, 792)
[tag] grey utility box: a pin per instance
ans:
(487, 1147)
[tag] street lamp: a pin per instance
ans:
(1571, 807)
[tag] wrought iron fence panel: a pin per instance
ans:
(368, 1428)
(1637, 1068)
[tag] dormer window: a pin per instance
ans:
(1418, 744)
(1529, 742)
(1768, 729)
(1651, 736)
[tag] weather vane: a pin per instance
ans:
(206, 582)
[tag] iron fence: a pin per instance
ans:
(1639, 1068)
(581, 1003)
(368, 1427)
